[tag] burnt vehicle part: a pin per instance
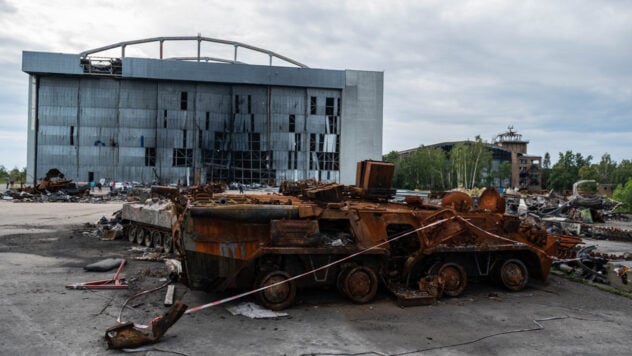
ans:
(129, 336)
(149, 223)
(255, 241)
(154, 221)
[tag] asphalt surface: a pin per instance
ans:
(44, 246)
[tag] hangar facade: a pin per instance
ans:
(198, 119)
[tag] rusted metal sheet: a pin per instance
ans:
(490, 200)
(294, 232)
(458, 201)
(126, 336)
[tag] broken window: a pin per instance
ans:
(338, 108)
(236, 104)
(184, 100)
(150, 156)
(332, 124)
(292, 123)
(329, 106)
(164, 119)
(200, 139)
(72, 135)
(182, 157)
(249, 104)
(297, 142)
(312, 142)
(252, 122)
(184, 138)
(254, 142)
(312, 105)
(208, 120)
(219, 139)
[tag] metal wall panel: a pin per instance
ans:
(137, 118)
(213, 102)
(98, 136)
(138, 95)
(99, 93)
(96, 116)
(133, 137)
(316, 124)
(57, 115)
(59, 92)
(55, 135)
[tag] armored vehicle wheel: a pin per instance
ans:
(278, 297)
(156, 239)
(131, 234)
(454, 278)
(342, 275)
(140, 236)
(360, 284)
(513, 274)
(147, 238)
(167, 242)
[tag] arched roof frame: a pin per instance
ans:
(198, 57)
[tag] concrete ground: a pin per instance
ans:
(43, 247)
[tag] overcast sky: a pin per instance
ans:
(560, 72)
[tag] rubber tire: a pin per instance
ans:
(279, 297)
(156, 239)
(454, 278)
(147, 238)
(167, 243)
(513, 274)
(360, 284)
(140, 236)
(131, 234)
(344, 271)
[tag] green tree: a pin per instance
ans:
(3, 173)
(422, 169)
(504, 174)
(546, 163)
(391, 157)
(565, 171)
(434, 161)
(604, 169)
(623, 193)
(622, 173)
(469, 162)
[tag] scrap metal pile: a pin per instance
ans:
(576, 215)
(54, 187)
(584, 216)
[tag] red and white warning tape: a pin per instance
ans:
(257, 290)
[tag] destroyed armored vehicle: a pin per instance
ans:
(354, 238)
(149, 223)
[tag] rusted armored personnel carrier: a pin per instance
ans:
(355, 238)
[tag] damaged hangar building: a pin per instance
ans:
(198, 119)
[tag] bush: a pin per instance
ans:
(623, 193)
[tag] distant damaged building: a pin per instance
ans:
(198, 119)
(526, 170)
